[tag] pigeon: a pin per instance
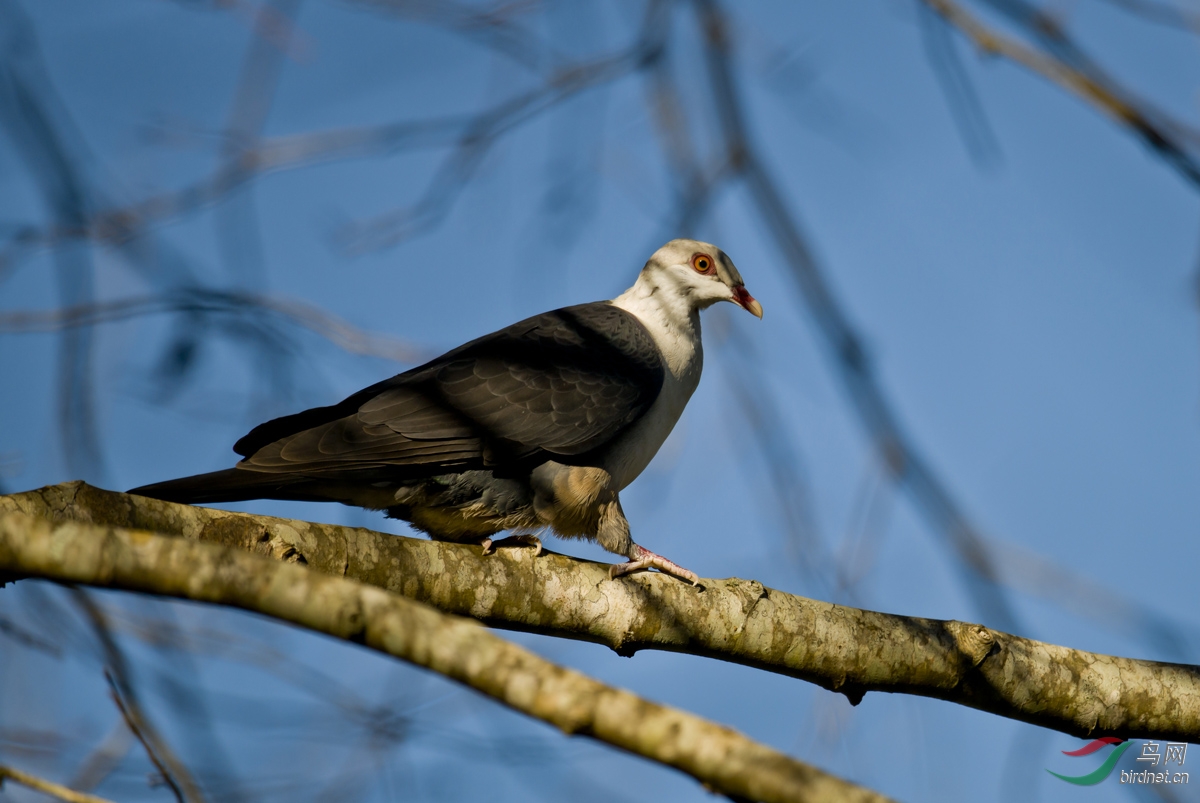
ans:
(537, 427)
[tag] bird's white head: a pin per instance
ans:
(700, 273)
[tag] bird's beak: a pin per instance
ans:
(746, 301)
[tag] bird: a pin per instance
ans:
(536, 427)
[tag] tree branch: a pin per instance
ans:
(47, 787)
(337, 331)
(124, 695)
(469, 137)
(133, 560)
(840, 648)
(1161, 135)
(843, 342)
(137, 726)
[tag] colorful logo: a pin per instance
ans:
(1101, 772)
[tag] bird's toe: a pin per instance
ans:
(649, 560)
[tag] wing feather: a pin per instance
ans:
(559, 385)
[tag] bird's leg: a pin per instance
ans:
(613, 534)
(643, 558)
(525, 539)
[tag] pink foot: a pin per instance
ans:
(648, 560)
(490, 546)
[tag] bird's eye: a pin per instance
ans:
(703, 263)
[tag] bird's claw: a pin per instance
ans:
(490, 546)
(649, 560)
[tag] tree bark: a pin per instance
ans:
(138, 560)
(837, 647)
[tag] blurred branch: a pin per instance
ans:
(137, 727)
(236, 220)
(979, 572)
(844, 344)
(47, 787)
(1030, 573)
(1166, 14)
(28, 639)
(133, 560)
(104, 758)
(859, 545)
(345, 336)
(486, 129)
(695, 190)
(470, 137)
(118, 675)
(840, 648)
(494, 26)
(33, 119)
(118, 225)
(960, 93)
(1163, 135)
(766, 427)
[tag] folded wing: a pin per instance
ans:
(556, 386)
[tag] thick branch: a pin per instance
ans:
(840, 648)
(136, 560)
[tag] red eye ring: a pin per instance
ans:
(703, 263)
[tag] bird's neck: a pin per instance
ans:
(672, 322)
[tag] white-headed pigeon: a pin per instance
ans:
(537, 426)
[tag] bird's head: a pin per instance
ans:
(701, 273)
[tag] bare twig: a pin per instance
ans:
(1166, 14)
(238, 233)
(485, 131)
(979, 571)
(137, 726)
(105, 757)
(118, 225)
(1030, 573)
(865, 529)
(784, 469)
(174, 773)
(47, 787)
(28, 639)
(496, 26)
(843, 342)
(1163, 135)
(695, 189)
(960, 93)
(28, 112)
(470, 136)
(345, 336)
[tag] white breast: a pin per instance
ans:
(676, 331)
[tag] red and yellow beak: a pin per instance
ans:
(746, 301)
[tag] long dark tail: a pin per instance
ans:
(228, 485)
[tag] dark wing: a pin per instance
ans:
(558, 385)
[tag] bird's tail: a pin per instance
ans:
(228, 485)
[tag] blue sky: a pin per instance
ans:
(1032, 319)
